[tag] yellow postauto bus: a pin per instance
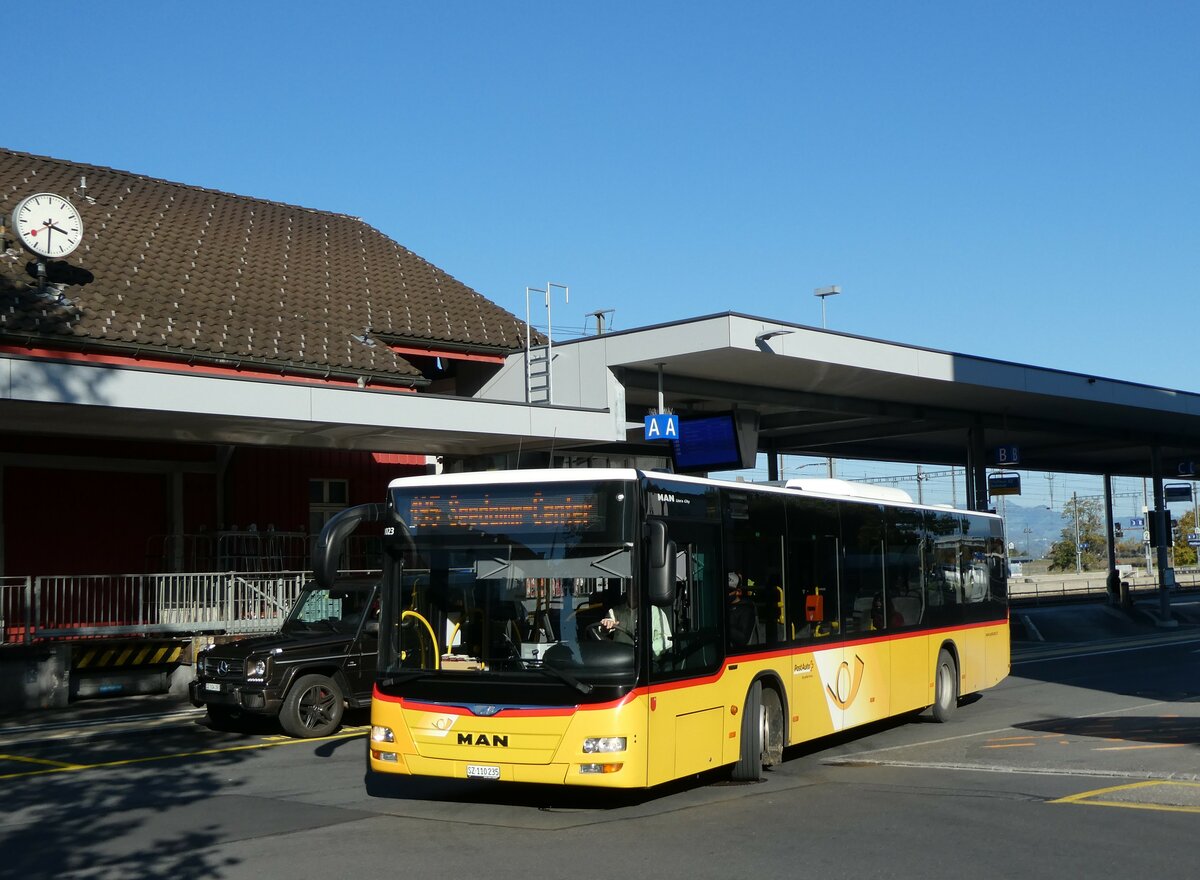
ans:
(621, 628)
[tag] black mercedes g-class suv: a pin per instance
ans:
(321, 660)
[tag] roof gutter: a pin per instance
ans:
(167, 357)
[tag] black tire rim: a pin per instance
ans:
(316, 707)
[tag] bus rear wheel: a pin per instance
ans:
(945, 687)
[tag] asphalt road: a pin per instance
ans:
(1085, 761)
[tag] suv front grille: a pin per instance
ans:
(219, 667)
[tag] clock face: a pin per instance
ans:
(48, 225)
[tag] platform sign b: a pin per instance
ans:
(1006, 456)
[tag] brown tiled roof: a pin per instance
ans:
(195, 273)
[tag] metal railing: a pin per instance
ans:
(92, 606)
(1057, 587)
(251, 551)
(16, 603)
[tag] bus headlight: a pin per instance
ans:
(595, 744)
(382, 734)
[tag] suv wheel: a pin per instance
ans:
(313, 707)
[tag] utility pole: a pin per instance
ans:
(1078, 549)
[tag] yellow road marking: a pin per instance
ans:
(1021, 745)
(58, 765)
(1132, 748)
(346, 733)
(1090, 798)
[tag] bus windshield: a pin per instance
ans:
(512, 580)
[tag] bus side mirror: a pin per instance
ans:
(328, 549)
(660, 585)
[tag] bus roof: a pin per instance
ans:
(821, 487)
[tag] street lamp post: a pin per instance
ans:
(822, 293)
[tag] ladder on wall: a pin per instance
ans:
(539, 356)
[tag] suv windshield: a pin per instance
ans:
(513, 580)
(338, 610)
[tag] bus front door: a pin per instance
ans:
(687, 724)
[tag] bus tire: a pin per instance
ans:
(749, 764)
(945, 687)
(313, 707)
(772, 720)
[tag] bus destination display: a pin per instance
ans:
(484, 512)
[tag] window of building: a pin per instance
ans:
(325, 498)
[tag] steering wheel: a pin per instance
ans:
(596, 632)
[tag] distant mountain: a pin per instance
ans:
(1045, 527)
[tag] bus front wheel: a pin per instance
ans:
(945, 688)
(749, 764)
(772, 720)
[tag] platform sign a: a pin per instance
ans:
(662, 427)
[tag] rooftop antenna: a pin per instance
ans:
(599, 316)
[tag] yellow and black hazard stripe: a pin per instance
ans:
(124, 655)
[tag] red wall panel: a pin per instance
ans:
(80, 522)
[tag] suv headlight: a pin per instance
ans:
(256, 669)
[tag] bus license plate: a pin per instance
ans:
(482, 771)
(212, 685)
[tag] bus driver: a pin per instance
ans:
(619, 624)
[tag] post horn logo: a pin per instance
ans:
(846, 684)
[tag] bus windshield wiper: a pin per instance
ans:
(555, 672)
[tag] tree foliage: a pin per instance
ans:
(1083, 517)
(1185, 555)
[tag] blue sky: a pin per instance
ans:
(1014, 180)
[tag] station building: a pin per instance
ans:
(207, 376)
(234, 371)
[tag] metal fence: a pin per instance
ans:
(92, 606)
(1058, 587)
(16, 602)
(252, 551)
